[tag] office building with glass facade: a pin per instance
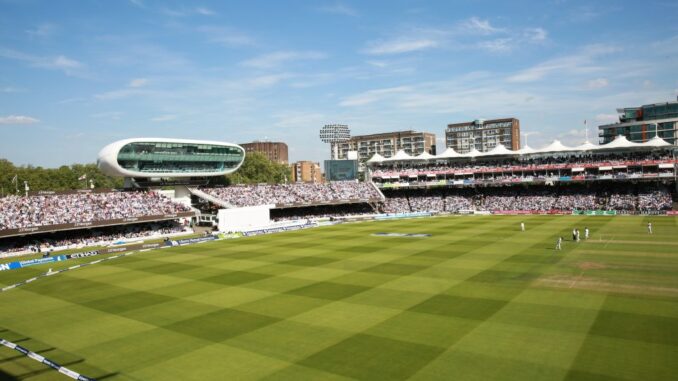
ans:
(640, 124)
(169, 158)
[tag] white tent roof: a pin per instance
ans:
(498, 150)
(555, 146)
(656, 142)
(472, 153)
(620, 142)
(586, 146)
(424, 156)
(449, 153)
(525, 150)
(376, 158)
(399, 156)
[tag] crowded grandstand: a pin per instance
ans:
(617, 178)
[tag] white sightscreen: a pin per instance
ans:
(238, 219)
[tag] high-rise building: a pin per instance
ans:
(274, 151)
(639, 124)
(483, 134)
(388, 143)
(306, 172)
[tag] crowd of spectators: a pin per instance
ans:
(396, 205)
(321, 211)
(642, 199)
(94, 237)
(655, 199)
(294, 193)
(481, 164)
(43, 210)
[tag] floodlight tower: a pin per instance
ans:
(335, 134)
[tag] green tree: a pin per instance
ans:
(62, 178)
(257, 168)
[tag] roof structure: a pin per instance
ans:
(621, 142)
(376, 158)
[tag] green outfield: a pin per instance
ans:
(478, 300)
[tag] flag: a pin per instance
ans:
(83, 177)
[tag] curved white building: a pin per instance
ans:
(163, 158)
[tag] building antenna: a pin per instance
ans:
(586, 127)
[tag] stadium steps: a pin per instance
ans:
(381, 195)
(197, 192)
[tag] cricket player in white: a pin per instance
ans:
(522, 226)
(649, 227)
(586, 233)
(558, 243)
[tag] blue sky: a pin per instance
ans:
(76, 75)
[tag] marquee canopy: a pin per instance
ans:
(619, 143)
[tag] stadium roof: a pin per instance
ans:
(399, 156)
(525, 150)
(586, 146)
(555, 147)
(449, 153)
(424, 156)
(376, 158)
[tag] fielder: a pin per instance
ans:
(649, 227)
(522, 226)
(559, 243)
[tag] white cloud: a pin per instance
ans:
(10, 89)
(164, 118)
(268, 80)
(578, 63)
(339, 9)
(183, 12)
(138, 3)
(371, 96)
(275, 59)
(226, 36)
(474, 25)
(573, 136)
(401, 45)
(498, 45)
(204, 11)
(597, 83)
(17, 119)
(535, 34)
(121, 94)
(138, 82)
(469, 34)
(296, 120)
(607, 118)
(61, 62)
(112, 115)
(41, 31)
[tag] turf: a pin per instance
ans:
(478, 300)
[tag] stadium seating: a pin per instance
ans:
(24, 212)
(626, 198)
(295, 193)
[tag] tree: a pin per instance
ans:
(257, 168)
(62, 178)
